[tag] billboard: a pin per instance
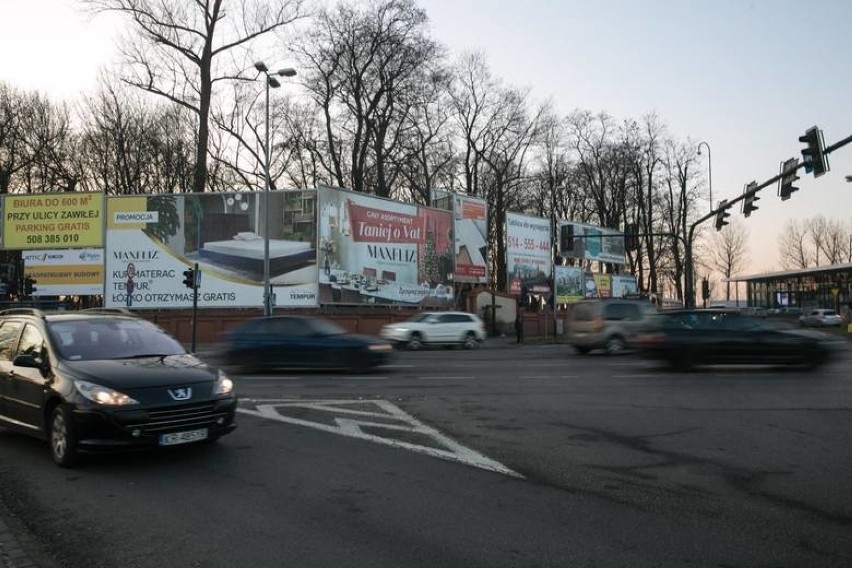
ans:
(594, 243)
(151, 240)
(52, 220)
(376, 251)
(570, 284)
(470, 229)
(624, 285)
(65, 272)
(528, 254)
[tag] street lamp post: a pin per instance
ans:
(709, 170)
(271, 82)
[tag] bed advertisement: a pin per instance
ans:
(152, 240)
(528, 254)
(470, 227)
(376, 251)
(595, 243)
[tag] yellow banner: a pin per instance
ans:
(53, 220)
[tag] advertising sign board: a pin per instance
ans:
(528, 253)
(470, 227)
(65, 272)
(52, 220)
(595, 243)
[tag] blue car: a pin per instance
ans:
(300, 342)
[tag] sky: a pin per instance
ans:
(747, 77)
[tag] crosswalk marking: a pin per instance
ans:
(351, 417)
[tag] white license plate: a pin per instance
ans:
(183, 437)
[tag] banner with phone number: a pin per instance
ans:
(53, 220)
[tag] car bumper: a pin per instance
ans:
(103, 430)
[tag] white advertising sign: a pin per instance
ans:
(65, 272)
(528, 254)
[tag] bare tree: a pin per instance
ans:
(793, 246)
(179, 50)
(729, 253)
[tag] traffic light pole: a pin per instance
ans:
(689, 279)
(195, 279)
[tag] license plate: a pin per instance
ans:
(183, 437)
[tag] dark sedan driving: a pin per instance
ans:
(300, 342)
(687, 338)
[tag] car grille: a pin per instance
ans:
(183, 417)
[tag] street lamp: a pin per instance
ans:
(709, 170)
(271, 82)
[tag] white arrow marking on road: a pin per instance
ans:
(352, 422)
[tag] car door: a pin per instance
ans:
(446, 329)
(27, 386)
(10, 330)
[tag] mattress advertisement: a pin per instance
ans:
(65, 272)
(152, 240)
(376, 251)
(528, 254)
(470, 227)
(594, 243)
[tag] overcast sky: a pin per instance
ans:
(747, 77)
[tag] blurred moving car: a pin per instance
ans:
(437, 328)
(300, 342)
(98, 381)
(606, 324)
(689, 337)
(821, 317)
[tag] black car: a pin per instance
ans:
(99, 381)
(688, 337)
(300, 342)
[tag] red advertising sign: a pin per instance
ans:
(370, 225)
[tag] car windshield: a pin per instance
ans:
(420, 317)
(111, 338)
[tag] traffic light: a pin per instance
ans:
(189, 278)
(566, 238)
(722, 215)
(705, 289)
(750, 198)
(631, 236)
(29, 285)
(813, 156)
(788, 178)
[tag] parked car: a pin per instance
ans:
(690, 337)
(97, 381)
(437, 328)
(606, 324)
(300, 342)
(820, 318)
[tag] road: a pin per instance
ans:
(530, 456)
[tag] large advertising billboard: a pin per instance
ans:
(470, 228)
(151, 240)
(376, 251)
(594, 243)
(52, 220)
(529, 259)
(65, 272)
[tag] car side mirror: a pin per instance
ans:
(27, 360)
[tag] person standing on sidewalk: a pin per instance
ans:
(519, 328)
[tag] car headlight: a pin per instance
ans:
(224, 385)
(103, 395)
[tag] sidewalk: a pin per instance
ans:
(18, 547)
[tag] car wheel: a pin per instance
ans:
(469, 341)
(615, 345)
(63, 442)
(415, 342)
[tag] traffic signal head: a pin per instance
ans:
(788, 178)
(566, 238)
(750, 198)
(813, 155)
(29, 285)
(722, 215)
(705, 289)
(189, 278)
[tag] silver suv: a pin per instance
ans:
(437, 328)
(606, 324)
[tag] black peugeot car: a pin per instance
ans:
(99, 381)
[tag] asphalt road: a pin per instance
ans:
(527, 456)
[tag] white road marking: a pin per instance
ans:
(351, 417)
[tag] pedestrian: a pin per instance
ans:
(519, 328)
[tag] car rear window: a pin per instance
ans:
(584, 311)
